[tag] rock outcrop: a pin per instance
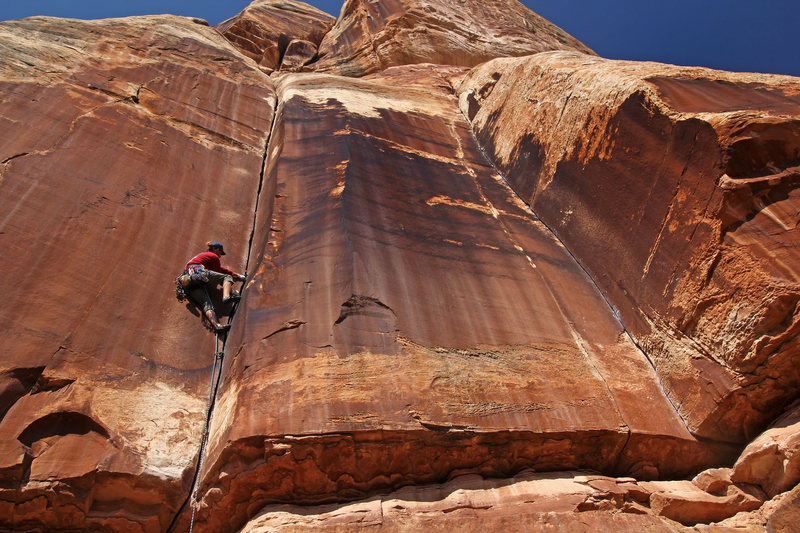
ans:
(676, 188)
(772, 461)
(408, 317)
(552, 292)
(278, 34)
(371, 36)
(124, 145)
(565, 501)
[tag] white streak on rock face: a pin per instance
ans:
(162, 423)
(46, 47)
(359, 97)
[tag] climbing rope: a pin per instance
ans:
(218, 355)
(212, 393)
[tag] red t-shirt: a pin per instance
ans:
(210, 261)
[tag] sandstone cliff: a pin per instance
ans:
(371, 36)
(494, 280)
(122, 142)
(278, 34)
(675, 188)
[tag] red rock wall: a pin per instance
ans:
(408, 317)
(271, 31)
(122, 153)
(371, 36)
(677, 189)
(583, 264)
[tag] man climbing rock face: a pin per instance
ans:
(205, 270)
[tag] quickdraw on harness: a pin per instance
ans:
(192, 276)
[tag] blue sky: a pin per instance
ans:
(738, 35)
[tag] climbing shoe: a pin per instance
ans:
(222, 328)
(231, 298)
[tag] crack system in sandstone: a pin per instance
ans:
(355, 303)
(216, 377)
(438, 434)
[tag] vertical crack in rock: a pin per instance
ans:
(275, 105)
(650, 131)
(537, 379)
(109, 185)
(577, 338)
(203, 446)
(216, 380)
(571, 347)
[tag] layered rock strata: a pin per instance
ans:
(723, 500)
(408, 317)
(559, 501)
(124, 145)
(371, 36)
(677, 189)
(466, 284)
(278, 34)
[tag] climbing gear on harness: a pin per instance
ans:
(197, 274)
(192, 276)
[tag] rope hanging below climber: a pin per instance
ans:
(202, 272)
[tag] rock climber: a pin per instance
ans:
(204, 270)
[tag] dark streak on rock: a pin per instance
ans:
(357, 304)
(292, 324)
(6, 160)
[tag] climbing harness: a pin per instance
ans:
(191, 276)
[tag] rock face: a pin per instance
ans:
(122, 151)
(676, 189)
(772, 461)
(278, 34)
(400, 254)
(568, 501)
(554, 292)
(371, 36)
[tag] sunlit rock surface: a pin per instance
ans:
(409, 317)
(561, 501)
(268, 31)
(125, 144)
(772, 461)
(677, 189)
(371, 36)
(551, 292)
